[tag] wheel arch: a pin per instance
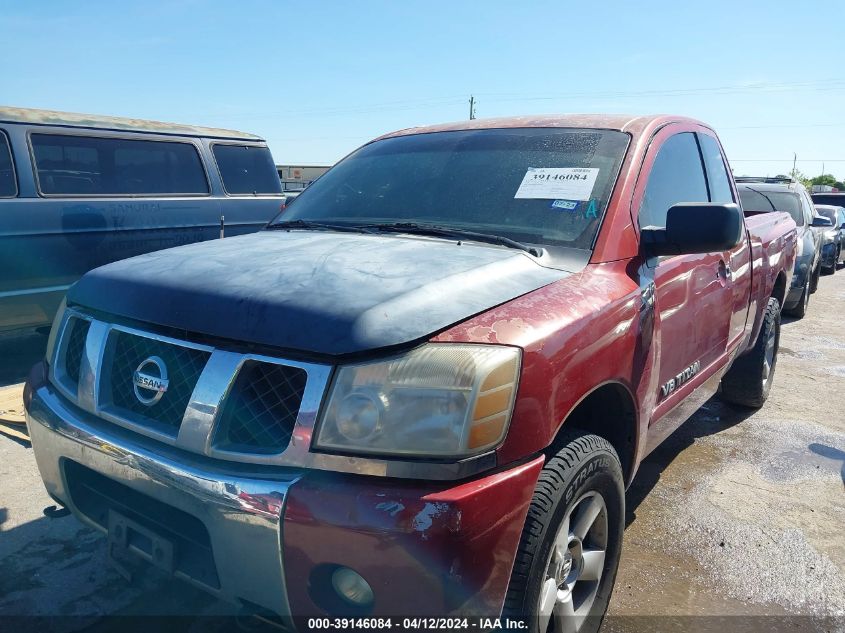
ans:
(609, 411)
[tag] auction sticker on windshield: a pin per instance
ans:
(558, 183)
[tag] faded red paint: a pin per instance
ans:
(433, 549)
(426, 549)
(587, 330)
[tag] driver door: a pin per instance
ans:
(693, 293)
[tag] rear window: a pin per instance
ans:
(835, 199)
(766, 201)
(8, 186)
(98, 166)
(247, 169)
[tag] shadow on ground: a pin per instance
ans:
(714, 417)
(18, 353)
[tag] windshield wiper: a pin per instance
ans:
(768, 199)
(317, 226)
(449, 232)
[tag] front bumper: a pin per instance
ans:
(426, 548)
(241, 513)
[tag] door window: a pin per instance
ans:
(247, 169)
(8, 185)
(676, 176)
(718, 180)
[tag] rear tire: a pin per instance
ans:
(800, 310)
(750, 378)
(571, 541)
(814, 279)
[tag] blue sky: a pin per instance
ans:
(317, 79)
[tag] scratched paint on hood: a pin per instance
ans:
(318, 292)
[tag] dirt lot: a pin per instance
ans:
(735, 515)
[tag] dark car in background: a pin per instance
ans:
(833, 237)
(78, 191)
(833, 198)
(767, 195)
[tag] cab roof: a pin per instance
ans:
(30, 116)
(634, 124)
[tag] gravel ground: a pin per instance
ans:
(734, 523)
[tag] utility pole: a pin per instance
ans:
(794, 160)
(471, 107)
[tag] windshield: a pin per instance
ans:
(537, 185)
(762, 201)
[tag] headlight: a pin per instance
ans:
(439, 400)
(54, 331)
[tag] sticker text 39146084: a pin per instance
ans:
(558, 183)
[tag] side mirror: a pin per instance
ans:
(821, 221)
(695, 227)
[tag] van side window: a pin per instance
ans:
(718, 180)
(98, 166)
(8, 186)
(247, 169)
(676, 176)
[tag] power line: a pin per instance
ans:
(443, 101)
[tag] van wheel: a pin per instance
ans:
(749, 379)
(569, 550)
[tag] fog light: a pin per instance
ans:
(352, 587)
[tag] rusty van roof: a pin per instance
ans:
(98, 122)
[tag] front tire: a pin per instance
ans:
(569, 550)
(750, 378)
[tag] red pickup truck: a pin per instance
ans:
(423, 389)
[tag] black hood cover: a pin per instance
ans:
(315, 292)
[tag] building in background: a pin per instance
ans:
(297, 177)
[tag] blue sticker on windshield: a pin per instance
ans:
(565, 205)
(592, 212)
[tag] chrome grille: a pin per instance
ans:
(261, 410)
(184, 366)
(77, 332)
(236, 406)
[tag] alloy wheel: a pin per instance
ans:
(575, 566)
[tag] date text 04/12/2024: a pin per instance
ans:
(416, 624)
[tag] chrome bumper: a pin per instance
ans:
(241, 511)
